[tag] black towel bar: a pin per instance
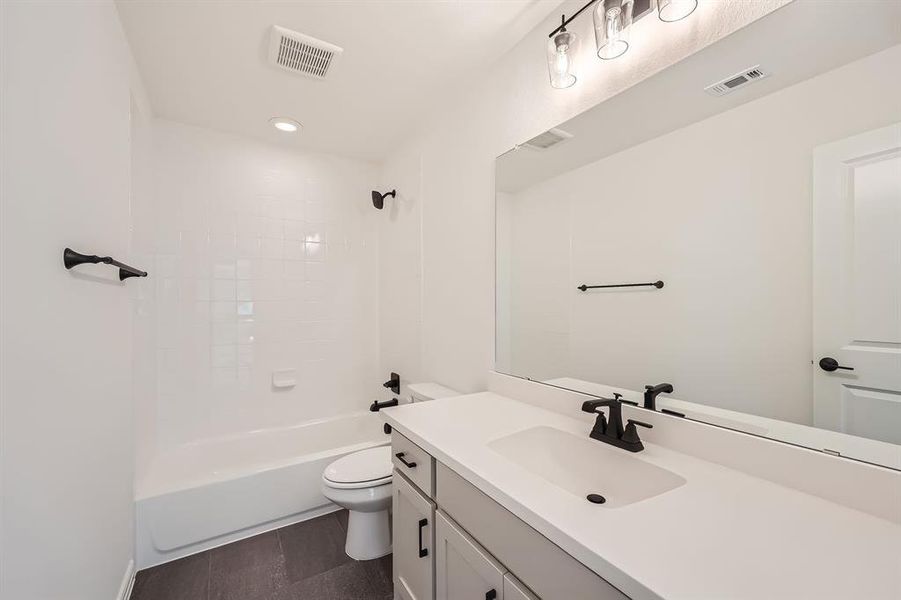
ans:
(656, 284)
(71, 258)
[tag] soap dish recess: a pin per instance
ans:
(284, 378)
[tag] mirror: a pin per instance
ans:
(769, 213)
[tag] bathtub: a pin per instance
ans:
(211, 492)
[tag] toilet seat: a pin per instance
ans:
(363, 469)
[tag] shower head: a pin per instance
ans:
(378, 198)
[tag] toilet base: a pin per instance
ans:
(368, 535)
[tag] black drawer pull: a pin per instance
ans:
(423, 552)
(490, 594)
(400, 457)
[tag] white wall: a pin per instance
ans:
(67, 440)
(400, 275)
(263, 258)
(506, 104)
(725, 220)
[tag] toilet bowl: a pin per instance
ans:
(361, 483)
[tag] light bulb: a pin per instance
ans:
(285, 124)
(561, 61)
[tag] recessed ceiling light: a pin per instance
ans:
(285, 124)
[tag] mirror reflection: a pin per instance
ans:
(723, 240)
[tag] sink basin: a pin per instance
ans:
(584, 466)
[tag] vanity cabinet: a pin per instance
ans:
(463, 569)
(413, 541)
(515, 590)
(453, 542)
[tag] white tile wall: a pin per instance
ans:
(263, 259)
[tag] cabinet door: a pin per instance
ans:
(463, 570)
(515, 590)
(413, 542)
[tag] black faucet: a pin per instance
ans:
(652, 391)
(613, 432)
(393, 384)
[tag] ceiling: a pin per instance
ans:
(636, 115)
(204, 63)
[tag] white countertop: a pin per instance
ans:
(723, 535)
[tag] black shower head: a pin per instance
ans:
(378, 198)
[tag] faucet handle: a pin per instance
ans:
(630, 434)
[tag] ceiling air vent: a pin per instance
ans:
(730, 84)
(302, 54)
(549, 138)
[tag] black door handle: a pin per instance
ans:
(423, 552)
(400, 457)
(490, 594)
(830, 364)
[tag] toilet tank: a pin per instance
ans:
(420, 392)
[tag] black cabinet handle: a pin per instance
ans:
(490, 594)
(400, 457)
(830, 364)
(423, 552)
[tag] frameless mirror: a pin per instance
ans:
(741, 242)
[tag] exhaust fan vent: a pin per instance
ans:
(299, 53)
(730, 84)
(549, 138)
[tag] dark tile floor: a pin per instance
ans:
(305, 561)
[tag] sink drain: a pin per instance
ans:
(596, 498)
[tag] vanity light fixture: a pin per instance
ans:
(612, 24)
(561, 54)
(285, 124)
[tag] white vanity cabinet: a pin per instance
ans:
(515, 590)
(453, 542)
(463, 569)
(413, 542)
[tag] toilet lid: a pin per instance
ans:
(361, 467)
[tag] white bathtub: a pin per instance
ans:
(215, 491)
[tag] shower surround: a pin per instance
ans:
(261, 259)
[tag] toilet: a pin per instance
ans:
(361, 483)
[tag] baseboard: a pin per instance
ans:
(128, 582)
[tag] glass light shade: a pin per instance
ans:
(673, 10)
(612, 24)
(561, 54)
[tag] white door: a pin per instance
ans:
(412, 542)
(463, 569)
(857, 285)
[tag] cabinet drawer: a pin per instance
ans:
(539, 563)
(414, 462)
